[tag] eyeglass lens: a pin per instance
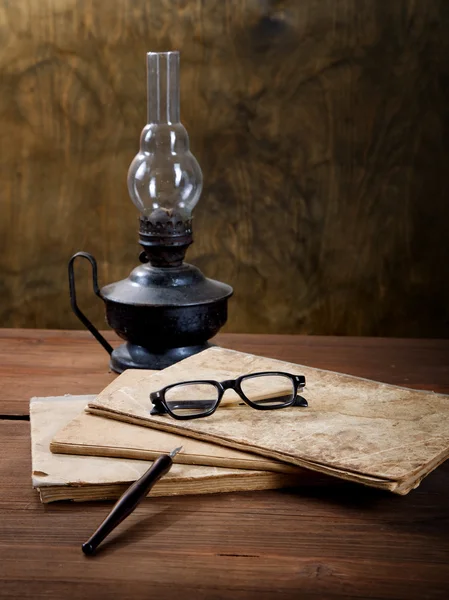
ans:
(188, 399)
(268, 390)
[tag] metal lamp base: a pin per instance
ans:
(131, 356)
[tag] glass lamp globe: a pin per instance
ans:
(164, 175)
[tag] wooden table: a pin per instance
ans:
(314, 542)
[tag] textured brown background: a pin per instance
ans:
(321, 127)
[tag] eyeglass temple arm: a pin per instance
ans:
(158, 407)
(299, 400)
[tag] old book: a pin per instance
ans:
(92, 435)
(80, 478)
(373, 433)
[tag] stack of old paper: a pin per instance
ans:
(93, 474)
(376, 434)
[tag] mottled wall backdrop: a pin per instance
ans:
(321, 127)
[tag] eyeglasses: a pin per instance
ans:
(263, 391)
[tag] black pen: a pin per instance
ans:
(130, 499)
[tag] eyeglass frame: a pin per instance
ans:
(160, 406)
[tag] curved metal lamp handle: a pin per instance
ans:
(84, 320)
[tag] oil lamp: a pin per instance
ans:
(166, 309)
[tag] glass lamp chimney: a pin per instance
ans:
(164, 176)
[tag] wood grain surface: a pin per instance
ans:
(317, 543)
(54, 363)
(321, 127)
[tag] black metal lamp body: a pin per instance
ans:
(166, 309)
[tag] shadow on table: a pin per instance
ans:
(421, 511)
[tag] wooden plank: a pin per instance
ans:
(348, 542)
(422, 364)
(43, 363)
(141, 573)
(320, 128)
(48, 363)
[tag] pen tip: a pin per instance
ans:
(174, 452)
